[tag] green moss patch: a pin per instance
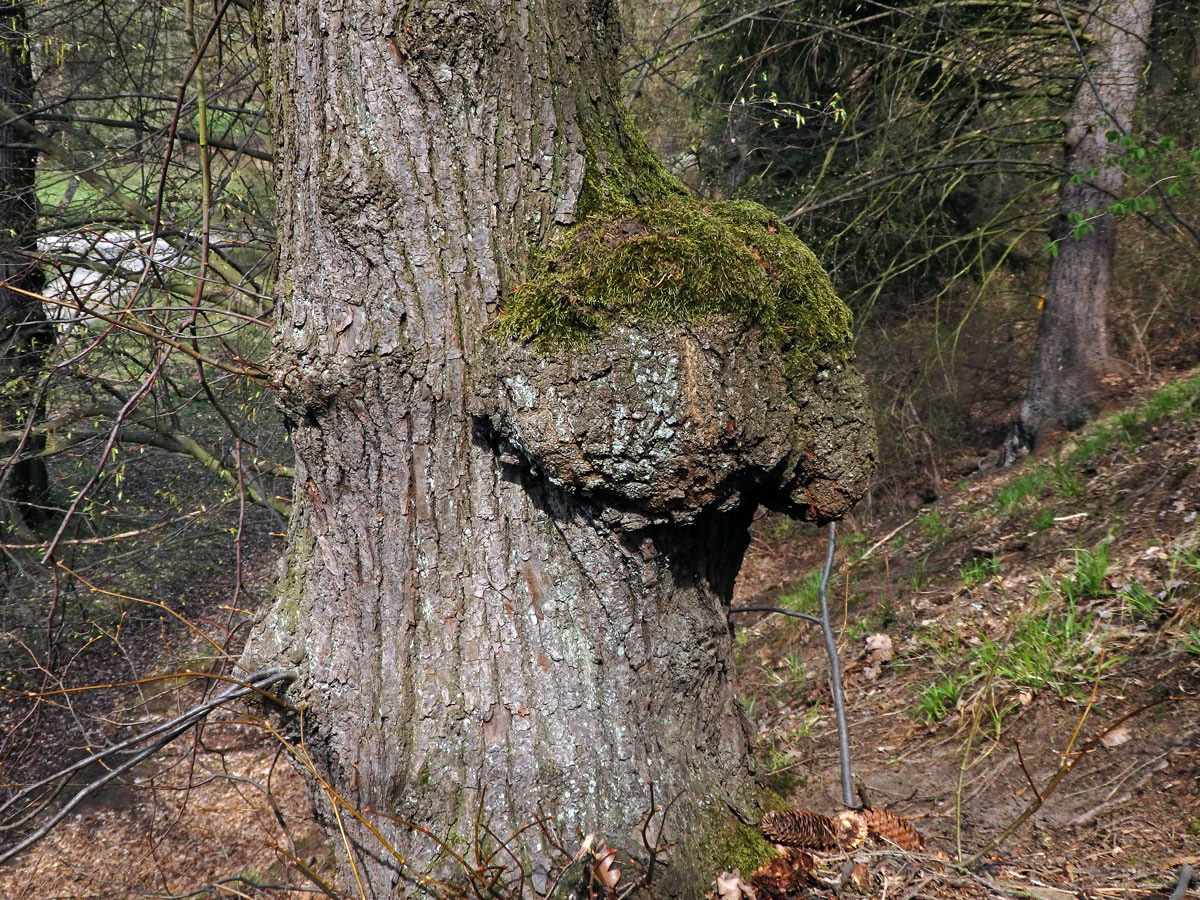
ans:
(730, 845)
(622, 171)
(676, 260)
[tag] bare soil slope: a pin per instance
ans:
(1041, 650)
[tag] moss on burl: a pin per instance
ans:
(675, 260)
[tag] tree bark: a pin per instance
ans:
(1071, 354)
(25, 334)
(497, 605)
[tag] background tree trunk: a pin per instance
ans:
(25, 333)
(479, 642)
(1071, 353)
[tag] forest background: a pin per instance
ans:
(923, 150)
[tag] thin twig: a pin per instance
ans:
(105, 538)
(1028, 777)
(257, 682)
(651, 848)
(1052, 785)
(887, 537)
(776, 609)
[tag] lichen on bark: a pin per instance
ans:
(673, 422)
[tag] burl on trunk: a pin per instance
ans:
(536, 393)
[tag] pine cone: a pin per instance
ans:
(783, 877)
(888, 826)
(849, 829)
(800, 828)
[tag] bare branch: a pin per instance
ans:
(159, 736)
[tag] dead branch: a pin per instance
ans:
(776, 609)
(27, 804)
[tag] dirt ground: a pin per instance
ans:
(220, 812)
(205, 815)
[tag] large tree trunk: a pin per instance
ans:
(25, 334)
(1071, 354)
(507, 581)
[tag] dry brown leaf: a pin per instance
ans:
(879, 648)
(860, 877)
(602, 866)
(730, 886)
(1116, 737)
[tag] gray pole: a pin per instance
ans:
(835, 674)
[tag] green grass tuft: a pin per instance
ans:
(1139, 601)
(1049, 650)
(919, 579)
(1087, 582)
(977, 571)
(1019, 491)
(1187, 557)
(932, 526)
(1191, 642)
(804, 597)
(1068, 483)
(941, 698)
(1043, 519)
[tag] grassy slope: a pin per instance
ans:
(1033, 608)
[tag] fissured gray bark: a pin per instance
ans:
(1071, 354)
(487, 630)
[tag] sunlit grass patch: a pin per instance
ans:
(1191, 642)
(1178, 400)
(1043, 519)
(1051, 648)
(941, 698)
(977, 571)
(1089, 580)
(1138, 601)
(1019, 491)
(932, 525)
(804, 597)
(1067, 481)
